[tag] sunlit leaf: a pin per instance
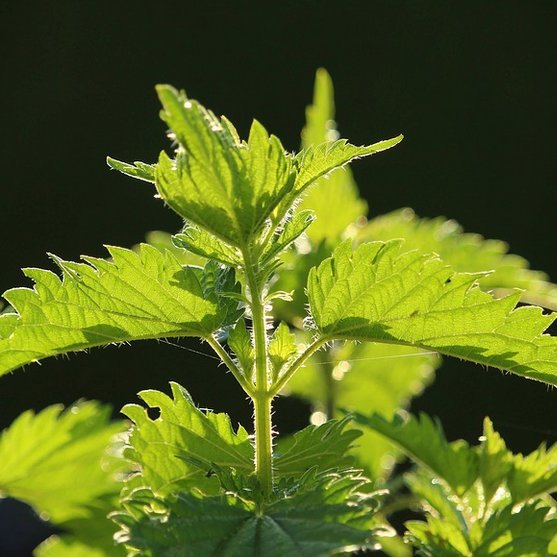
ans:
(177, 449)
(323, 517)
(60, 462)
(133, 296)
(376, 293)
(465, 252)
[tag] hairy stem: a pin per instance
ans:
(263, 442)
(262, 397)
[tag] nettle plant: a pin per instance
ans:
(279, 272)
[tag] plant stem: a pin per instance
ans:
(262, 397)
(298, 363)
(223, 354)
(263, 442)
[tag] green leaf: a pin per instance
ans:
(462, 489)
(224, 185)
(240, 343)
(320, 124)
(90, 536)
(325, 446)
(324, 518)
(282, 347)
(293, 277)
(177, 449)
(235, 189)
(438, 538)
(526, 532)
(435, 498)
(533, 474)
(465, 252)
(343, 377)
(335, 201)
(290, 232)
(162, 241)
(481, 520)
(514, 531)
(319, 160)
(59, 462)
(495, 460)
(200, 242)
(139, 170)
(60, 547)
(376, 293)
(425, 442)
(134, 296)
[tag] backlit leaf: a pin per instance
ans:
(177, 449)
(465, 252)
(60, 462)
(239, 340)
(282, 347)
(335, 200)
(376, 293)
(425, 442)
(325, 446)
(322, 519)
(218, 182)
(200, 242)
(139, 170)
(134, 296)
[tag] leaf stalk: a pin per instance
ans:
(229, 362)
(310, 350)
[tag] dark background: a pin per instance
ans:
(472, 86)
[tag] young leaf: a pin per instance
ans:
(435, 498)
(132, 297)
(282, 346)
(139, 170)
(240, 342)
(226, 186)
(291, 231)
(229, 187)
(206, 245)
(325, 446)
(375, 293)
(320, 520)
(533, 474)
(177, 449)
(336, 201)
(495, 461)
(163, 241)
(526, 532)
(438, 538)
(465, 252)
(425, 442)
(319, 160)
(60, 462)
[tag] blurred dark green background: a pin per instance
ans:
(472, 85)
